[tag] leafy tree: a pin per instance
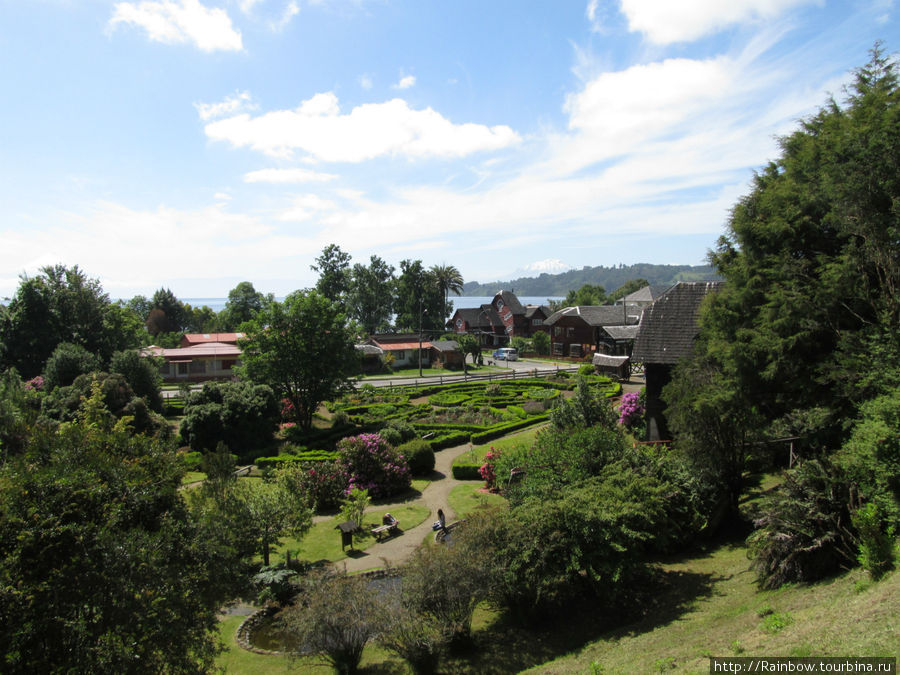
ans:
(586, 295)
(415, 637)
(270, 512)
(541, 342)
(302, 349)
(444, 584)
(102, 566)
(449, 280)
(468, 345)
(586, 408)
(371, 294)
(200, 319)
(142, 374)
(419, 300)
(811, 260)
(336, 618)
(244, 303)
(333, 267)
(14, 413)
(167, 313)
(61, 305)
(242, 415)
(67, 362)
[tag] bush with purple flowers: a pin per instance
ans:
(631, 410)
(372, 464)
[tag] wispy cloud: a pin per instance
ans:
(179, 22)
(287, 176)
(665, 22)
(372, 130)
(405, 82)
(237, 102)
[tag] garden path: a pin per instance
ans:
(397, 549)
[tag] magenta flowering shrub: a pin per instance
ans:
(35, 384)
(488, 470)
(372, 464)
(325, 484)
(631, 411)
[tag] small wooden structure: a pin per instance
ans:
(347, 529)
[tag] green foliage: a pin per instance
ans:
(448, 398)
(418, 289)
(354, 507)
(541, 342)
(270, 511)
(776, 622)
(586, 295)
(333, 267)
(811, 264)
(804, 532)
(59, 305)
(372, 464)
(463, 471)
(15, 416)
(585, 409)
(244, 303)
(142, 375)
(370, 296)
(242, 415)
(419, 455)
(63, 403)
(67, 362)
(336, 617)
(469, 345)
(446, 583)
(876, 541)
(303, 350)
(415, 637)
(102, 565)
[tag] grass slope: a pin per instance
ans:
(724, 614)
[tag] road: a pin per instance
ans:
(506, 370)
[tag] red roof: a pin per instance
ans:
(392, 346)
(209, 349)
(203, 338)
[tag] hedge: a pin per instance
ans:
(449, 439)
(503, 429)
(467, 471)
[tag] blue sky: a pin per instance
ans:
(197, 143)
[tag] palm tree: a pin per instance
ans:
(449, 280)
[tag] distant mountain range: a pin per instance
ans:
(611, 278)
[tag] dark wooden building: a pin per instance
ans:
(587, 329)
(667, 333)
(497, 322)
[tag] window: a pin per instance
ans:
(537, 322)
(400, 354)
(570, 331)
(183, 368)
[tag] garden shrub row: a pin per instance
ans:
(308, 456)
(467, 471)
(503, 429)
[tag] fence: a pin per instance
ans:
(510, 374)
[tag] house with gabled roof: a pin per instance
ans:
(586, 329)
(404, 349)
(667, 333)
(644, 297)
(497, 322)
(196, 363)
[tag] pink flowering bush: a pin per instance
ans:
(35, 384)
(325, 484)
(488, 470)
(372, 464)
(631, 410)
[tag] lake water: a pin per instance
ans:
(464, 302)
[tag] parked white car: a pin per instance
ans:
(506, 354)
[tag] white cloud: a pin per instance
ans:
(304, 207)
(287, 176)
(550, 266)
(365, 82)
(291, 10)
(665, 22)
(318, 128)
(180, 21)
(405, 82)
(237, 102)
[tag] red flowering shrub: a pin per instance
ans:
(372, 464)
(488, 470)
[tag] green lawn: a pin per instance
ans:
(468, 497)
(323, 541)
(193, 477)
(476, 454)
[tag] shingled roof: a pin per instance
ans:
(670, 325)
(597, 315)
(647, 294)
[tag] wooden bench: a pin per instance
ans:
(390, 527)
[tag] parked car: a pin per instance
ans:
(506, 354)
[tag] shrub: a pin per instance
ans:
(803, 533)
(467, 471)
(488, 470)
(419, 456)
(240, 414)
(391, 436)
(67, 362)
(142, 373)
(372, 464)
(876, 541)
(586, 369)
(336, 616)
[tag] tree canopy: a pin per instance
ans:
(302, 349)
